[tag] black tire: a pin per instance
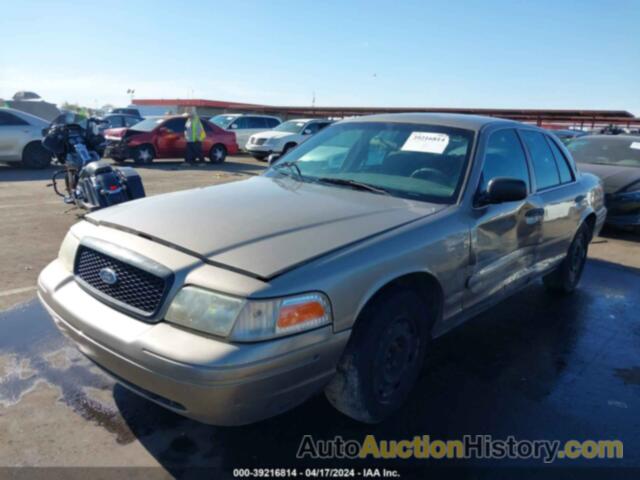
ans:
(36, 156)
(119, 160)
(259, 157)
(565, 278)
(288, 147)
(218, 153)
(383, 358)
(143, 155)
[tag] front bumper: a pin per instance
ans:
(265, 150)
(194, 375)
(116, 150)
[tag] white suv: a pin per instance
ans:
(245, 125)
(284, 137)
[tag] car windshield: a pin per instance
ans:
(147, 125)
(223, 121)
(292, 126)
(613, 150)
(415, 161)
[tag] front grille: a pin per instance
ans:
(135, 288)
(260, 141)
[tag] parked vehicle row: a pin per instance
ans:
(163, 137)
(243, 126)
(333, 271)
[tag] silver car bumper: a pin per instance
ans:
(194, 375)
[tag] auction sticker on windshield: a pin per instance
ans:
(426, 142)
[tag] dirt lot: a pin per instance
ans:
(533, 367)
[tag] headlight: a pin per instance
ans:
(204, 310)
(67, 252)
(248, 320)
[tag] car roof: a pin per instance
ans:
(455, 120)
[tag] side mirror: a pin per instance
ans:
(163, 130)
(503, 189)
(307, 131)
(234, 126)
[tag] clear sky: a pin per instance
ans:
(502, 54)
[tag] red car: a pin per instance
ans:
(164, 138)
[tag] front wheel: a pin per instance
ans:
(565, 278)
(144, 154)
(383, 358)
(288, 147)
(218, 153)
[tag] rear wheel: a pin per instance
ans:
(218, 153)
(383, 359)
(35, 155)
(144, 154)
(565, 278)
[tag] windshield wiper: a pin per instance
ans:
(290, 165)
(353, 184)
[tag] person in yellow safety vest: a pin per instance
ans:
(195, 134)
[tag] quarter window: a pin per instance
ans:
(544, 165)
(504, 158)
(561, 162)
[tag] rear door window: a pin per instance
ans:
(544, 164)
(272, 122)
(258, 123)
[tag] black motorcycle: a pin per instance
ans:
(89, 183)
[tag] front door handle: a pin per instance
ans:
(534, 215)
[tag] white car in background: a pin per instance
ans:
(284, 137)
(245, 125)
(21, 139)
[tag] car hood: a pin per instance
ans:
(265, 225)
(273, 134)
(615, 178)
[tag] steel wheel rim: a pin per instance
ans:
(396, 357)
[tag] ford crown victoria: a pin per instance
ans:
(332, 271)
